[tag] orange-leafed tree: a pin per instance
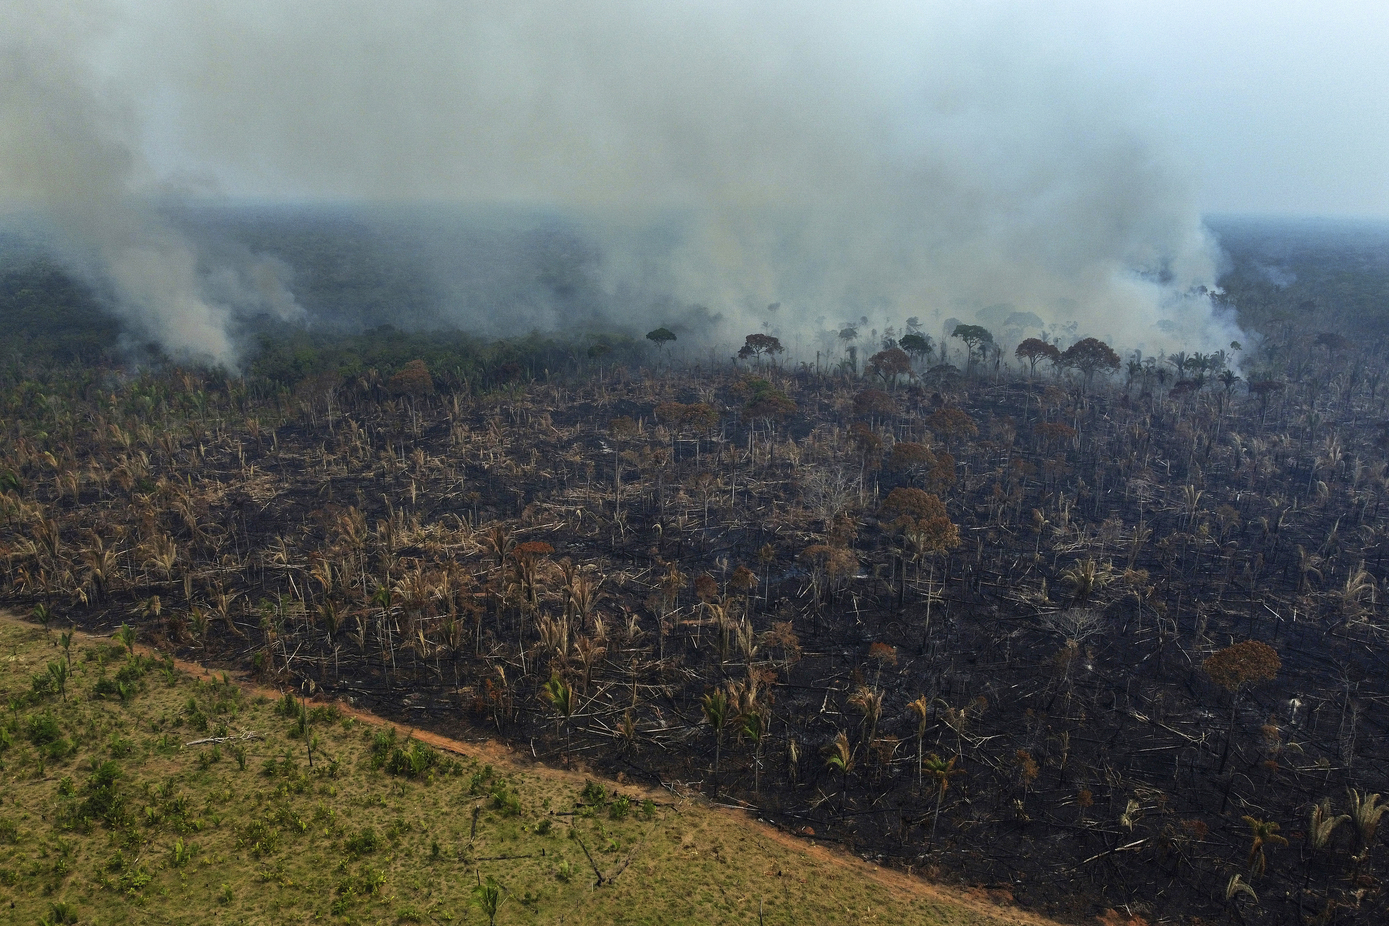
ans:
(1035, 350)
(1090, 356)
(413, 381)
(889, 364)
(1236, 668)
(920, 518)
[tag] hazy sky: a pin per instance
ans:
(1278, 106)
(1275, 106)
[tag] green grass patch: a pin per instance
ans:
(108, 816)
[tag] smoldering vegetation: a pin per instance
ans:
(1085, 640)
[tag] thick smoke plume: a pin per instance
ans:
(71, 172)
(885, 161)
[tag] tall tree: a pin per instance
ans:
(889, 364)
(1090, 356)
(759, 345)
(918, 346)
(1236, 668)
(977, 340)
(715, 707)
(1035, 350)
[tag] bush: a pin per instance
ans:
(594, 794)
(477, 784)
(43, 686)
(506, 801)
(47, 736)
(43, 729)
(103, 802)
(413, 760)
(60, 913)
(364, 843)
(260, 837)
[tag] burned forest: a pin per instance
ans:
(1087, 630)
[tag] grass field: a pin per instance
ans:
(111, 814)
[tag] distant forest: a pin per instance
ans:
(1330, 275)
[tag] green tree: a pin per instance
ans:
(758, 346)
(560, 696)
(839, 757)
(488, 896)
(58, 671)
(977, 340)
(918, 346)
(43, 614)
(661, 336)
(126, 635)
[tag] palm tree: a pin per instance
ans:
(1365, 811)
(65, 640)
(869, 702)
(941, 771)
(488, 895)
(559, 696)
(715, 707)
(1237, 886)
(1323, 824)
(127, 637)
(839, 757)
(921, 707)
(752, 725)
(58, 671)
(1262, 833)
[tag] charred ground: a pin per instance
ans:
(704, 578)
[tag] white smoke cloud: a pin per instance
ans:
(69, 157)
(883, 159)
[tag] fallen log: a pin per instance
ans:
(213, 740)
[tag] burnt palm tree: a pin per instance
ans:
(1365, 811)
(1263, 834)
(839, 757)
(941, 771)
(921, 709)
(715, 706)
(869, 702)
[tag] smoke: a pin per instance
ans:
(878, 161)
(71, 172)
